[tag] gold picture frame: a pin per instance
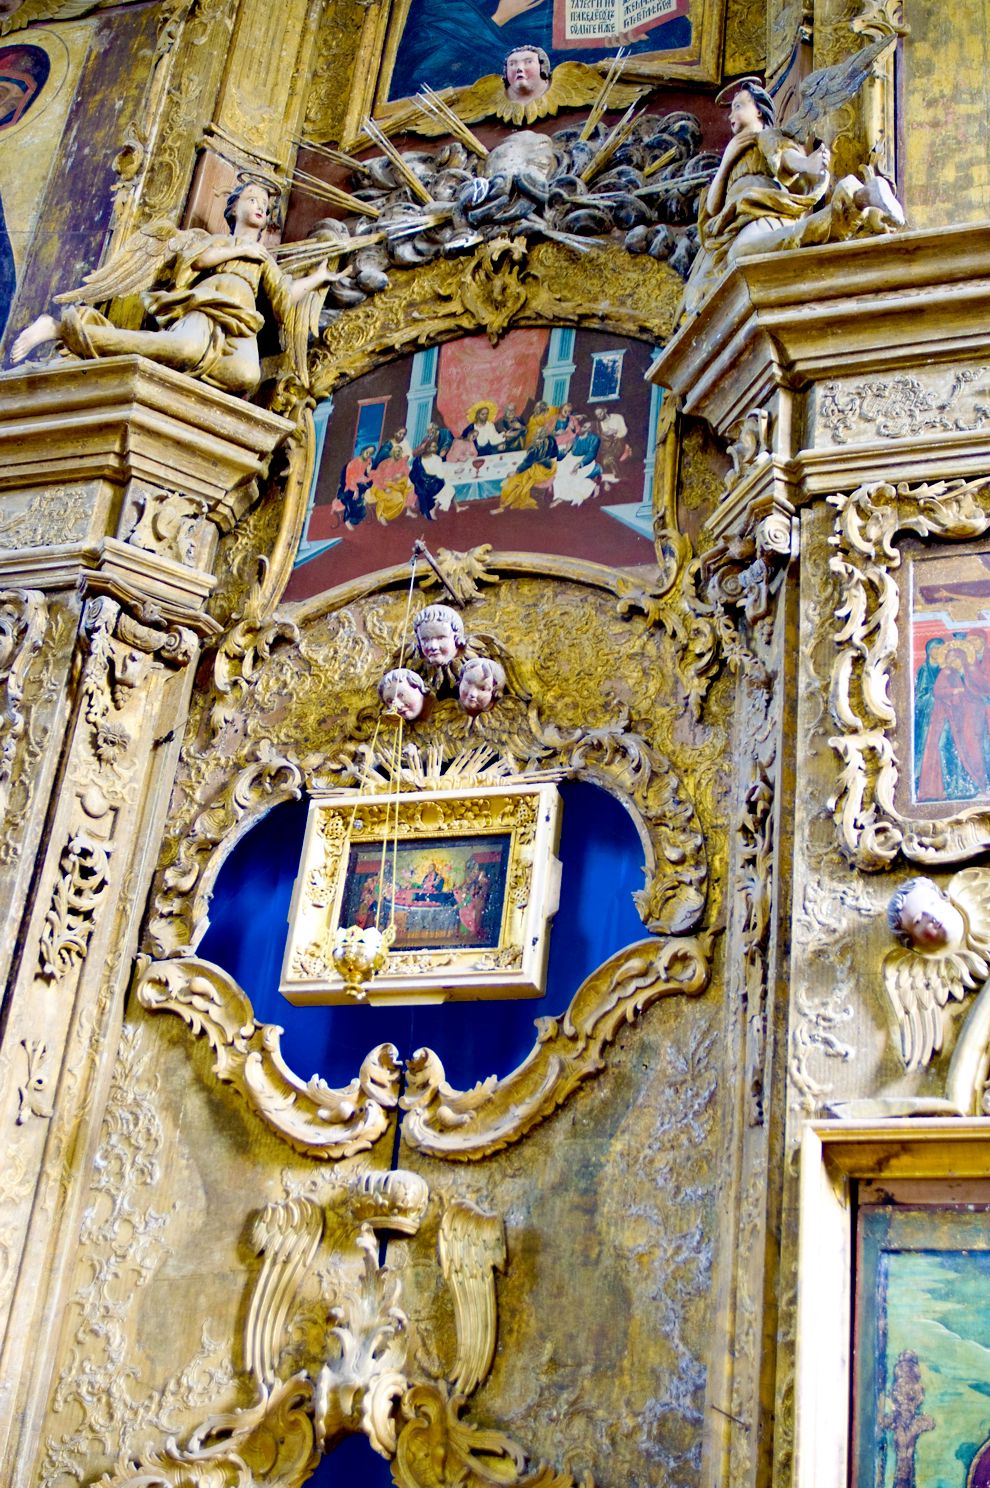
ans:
(469, 880)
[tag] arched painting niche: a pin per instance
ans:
(545, 443)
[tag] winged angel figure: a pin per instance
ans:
(208, 314)
(773, 191)
(944, 952)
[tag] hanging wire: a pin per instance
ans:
(396, 768)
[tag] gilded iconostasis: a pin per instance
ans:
(496, 760)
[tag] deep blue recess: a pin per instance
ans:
(602, 861)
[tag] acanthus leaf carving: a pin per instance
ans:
(436, 1449)
(358, 1361)
(23, 620)
(243, 649)
(32, 1098)
(84, 877)
(311, 1115)
(265, 778)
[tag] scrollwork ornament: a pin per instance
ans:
(312, 1116)
(266, 778)
(871, 829)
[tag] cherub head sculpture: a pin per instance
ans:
(405, 693)
(924, 919)
(526, 72)
(439, 632)
(481, 684)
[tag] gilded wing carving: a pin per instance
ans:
(28, 11)
(828, 88)
(919, 987)
(970, 892)
(136, 265)
(572, 85)
(472, 1247)
(287, 1235)
(921, 983)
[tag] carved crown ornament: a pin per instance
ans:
(271, 737)
(880, 806)
(330, 1351)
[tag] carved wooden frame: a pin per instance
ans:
(514, 967)
(836, 1158)
(872, 831)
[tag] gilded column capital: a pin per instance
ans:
(127, 471)
(879, 321)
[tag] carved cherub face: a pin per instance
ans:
(403, 692)
(439, 634)
(924, 918)
(524, 74)
(481, 684)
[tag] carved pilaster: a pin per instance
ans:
(831, 374)
(116, 480)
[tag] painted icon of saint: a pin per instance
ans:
(955, 747)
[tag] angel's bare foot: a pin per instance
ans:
(45, 328)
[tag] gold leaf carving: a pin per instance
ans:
(84, 877)
(472, 1249)
(501, 286)
(436, 1449)
(58, 516)
(311, 1115)
(23, 618)
(442, 1121)
(871, 830)
(265, 778)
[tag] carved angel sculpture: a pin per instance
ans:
(945, 951)
(772, 192)
(208, 315)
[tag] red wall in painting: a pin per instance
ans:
(473, 362)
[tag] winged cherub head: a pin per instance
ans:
(404, 693)
(481, 684)
(439, 632)
(924, 919)
(526, 73)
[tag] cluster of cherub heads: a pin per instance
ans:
(442, 646)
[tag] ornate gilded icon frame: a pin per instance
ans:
(872, 523)
(523, 887)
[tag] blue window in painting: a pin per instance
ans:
(370, 423)
(606, 376)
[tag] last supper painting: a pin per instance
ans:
(545, 443)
